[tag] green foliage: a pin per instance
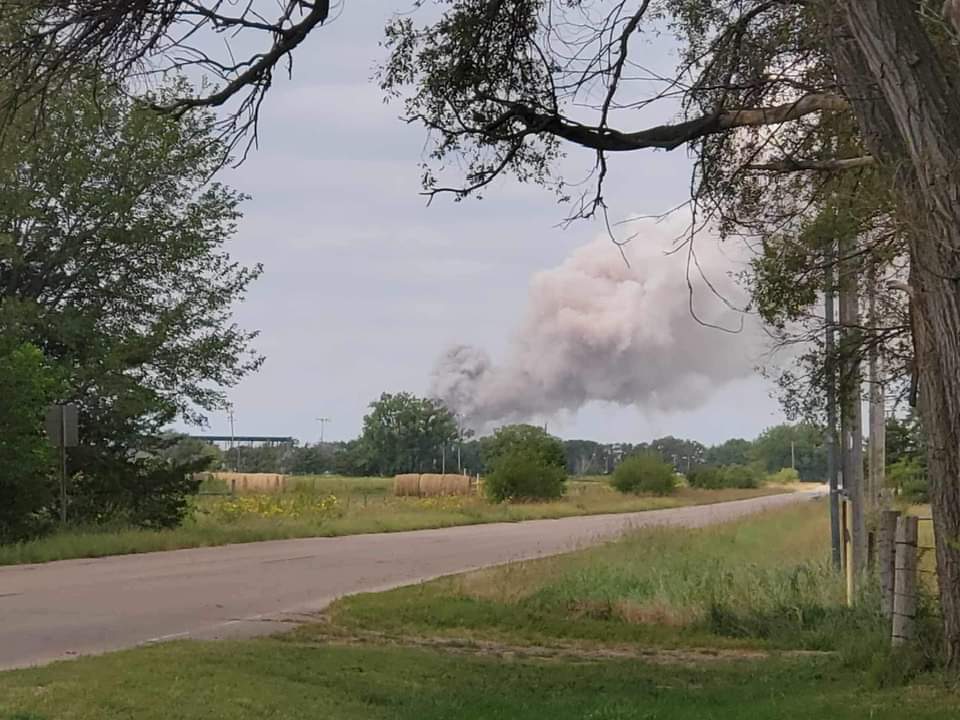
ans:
(117, 271)
(644, 473)
(708, 477)
(406, 433)
(522, 473)
(904, 440)
(185, 450)
(732, 452)
(909, 477)
(145, 490)
(681, 453)
(27, 386)
(784, 476)
(780, 446)
(528, 439)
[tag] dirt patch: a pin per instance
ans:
(554, 651)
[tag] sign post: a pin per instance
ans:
(62, 427)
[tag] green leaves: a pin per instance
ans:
(111, 257)
(406, 433)
(27, 386)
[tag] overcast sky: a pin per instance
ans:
(364, 286)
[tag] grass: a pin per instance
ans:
(363, 505)
(274, 679)
(762, 582)
(360, 665)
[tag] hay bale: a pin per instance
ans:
(432, 485)
(456, 484)
(252, 482)
(406, 485)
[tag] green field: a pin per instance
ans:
(324, 506)
(737, 622)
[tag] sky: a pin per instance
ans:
(365, 286)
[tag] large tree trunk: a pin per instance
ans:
(913, 127)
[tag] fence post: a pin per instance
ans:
(886, 560)
(905, 581)
(847, 560)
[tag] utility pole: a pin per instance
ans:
(236, 457)
(830, 378)
(876, 459)
(851, 411)
(323, 421)
(459, 441)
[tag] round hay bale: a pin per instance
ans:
(406, 485)
(456, 485)
(431, 485)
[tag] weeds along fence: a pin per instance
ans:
(433, 485)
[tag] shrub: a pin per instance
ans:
(740, 476)
(523, 474)
(141, 490)
(784, 476)
(707, 477)
(645, 473)
(526, 438)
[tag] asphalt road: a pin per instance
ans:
(63, 609)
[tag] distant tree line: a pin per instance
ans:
(406, 433)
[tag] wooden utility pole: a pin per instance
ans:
(830, 435)
(905, 582)
(851, 413)
(876, 459)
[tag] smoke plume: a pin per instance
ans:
(597, 329)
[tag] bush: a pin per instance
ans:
(707, 477)
(784, 476)
(740, 476)
(145, 491)
(646, 473)
(27, 386)
(523, 474)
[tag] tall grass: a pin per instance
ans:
(765, 580)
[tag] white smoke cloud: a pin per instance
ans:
(596, 329)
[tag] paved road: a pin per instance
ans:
(78, 607)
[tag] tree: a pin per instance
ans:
(799, 446)
(584, 457)
(27, 386)
(735, 451)
(111, 262)
(406, 433)
(681, 453)
(527, 438)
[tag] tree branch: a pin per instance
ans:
(788, 165)
(670, 137)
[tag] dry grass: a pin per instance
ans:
(362, 505)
